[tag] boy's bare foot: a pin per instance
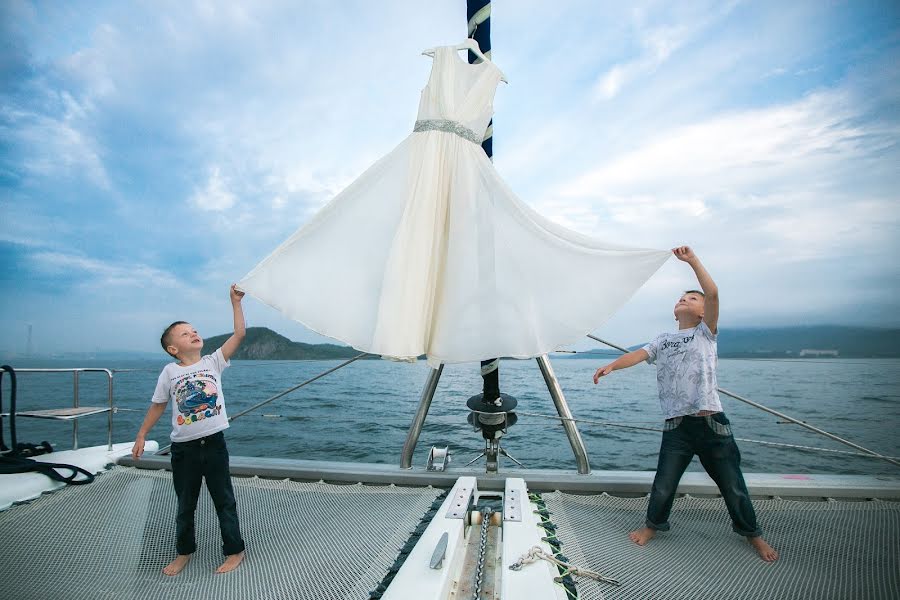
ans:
(175, 567)
(642, 536)
(765, 551)
(231, 562)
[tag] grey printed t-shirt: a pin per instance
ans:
(686, 370)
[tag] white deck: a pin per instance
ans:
(21, 487)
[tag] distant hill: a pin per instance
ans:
(850, 342)
(790, 342)
(261, 343)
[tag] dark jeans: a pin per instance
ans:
(191, 462)
(709, 438)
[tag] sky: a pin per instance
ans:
(152, 153)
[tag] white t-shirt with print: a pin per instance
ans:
(198, 402)
(686, 363)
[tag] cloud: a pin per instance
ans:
(747, 147)
(51, 146)
(791, 200)
(215, 196)
(94, 273)
(782, 170)
(158, 152)
(658, 42)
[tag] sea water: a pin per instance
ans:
(363, 411)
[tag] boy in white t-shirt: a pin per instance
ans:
(193, 386)
(695, 424)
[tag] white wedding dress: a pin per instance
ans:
(429, 252)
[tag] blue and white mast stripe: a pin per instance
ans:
(478, 13)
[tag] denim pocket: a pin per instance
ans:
(719, 423)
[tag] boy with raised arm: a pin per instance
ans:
(193, 386)
(695, 424)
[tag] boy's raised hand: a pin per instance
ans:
(236, 294)
(684, 253)
(602, 371)
(240, 329)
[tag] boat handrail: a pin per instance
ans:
(76, 371)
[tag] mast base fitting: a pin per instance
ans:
(491, 418)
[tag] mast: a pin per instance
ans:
(478, 15)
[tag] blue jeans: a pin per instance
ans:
(709, 438)
(191, 462)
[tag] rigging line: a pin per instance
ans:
(778, 414)
(797, 360)
(804, 361)
(656, 429)
(287, 391)
(801, 447)
(298, 386)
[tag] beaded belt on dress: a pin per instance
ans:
(448, 126)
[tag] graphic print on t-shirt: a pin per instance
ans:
(197, 397)
(676, 345)
(685, 370)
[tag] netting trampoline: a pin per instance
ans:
(111, 539)
(829, 549)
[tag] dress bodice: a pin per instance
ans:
(458, 91)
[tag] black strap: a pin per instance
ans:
(16, 464)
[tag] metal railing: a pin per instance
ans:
(75, 400)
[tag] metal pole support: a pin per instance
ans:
(412, 437)
(562, 407)
(109, 420)
(75, 405)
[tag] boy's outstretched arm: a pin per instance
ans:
(709, 287)
(623, 362)
(153, 414)
(233, 343)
